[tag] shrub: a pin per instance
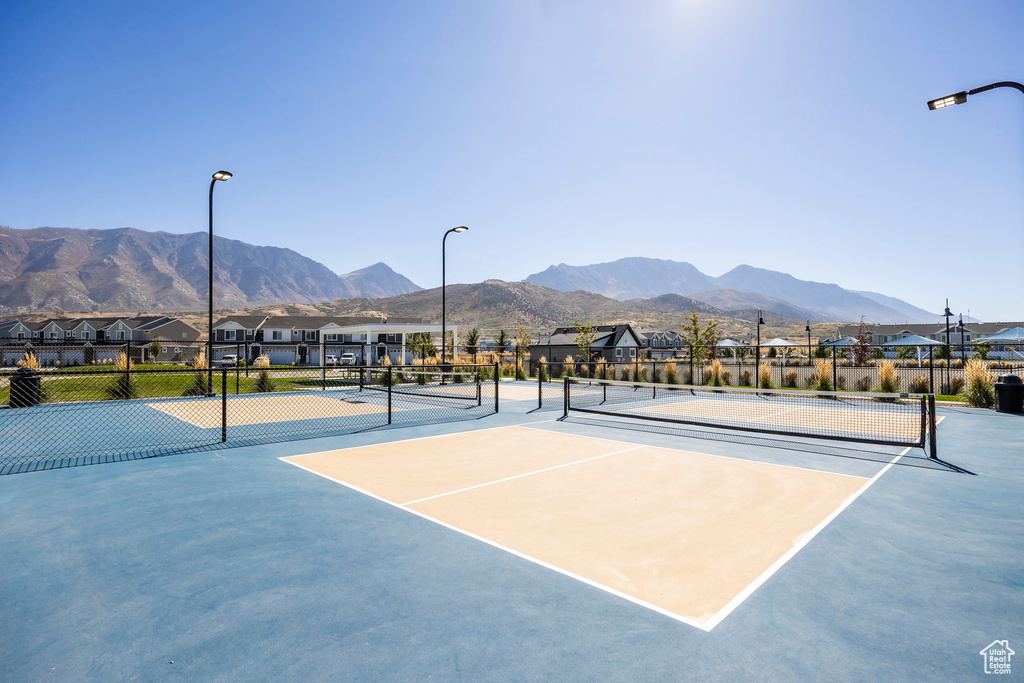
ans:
(542, 373)
(864, 383)
(569, 367)
(979, 390)
(888, 380)
(640, 373)
(841, 383)
(954, 387)
(790, 380)
(745, 379)
(726, 377)
(765, 376)
(625, 373)
(655, 374)
(918, 385)
(520, 372)
(263, 381)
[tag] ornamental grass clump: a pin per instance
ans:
(888, 380)
(542, 373)
(671, 373)
(29, 362)
(263, 381)
(979, 391)
(625, 373)
(822, 375)
(713, 373)
(765, 376)
(918, 385)
(569, 367)
(200, 385)
(123, 386)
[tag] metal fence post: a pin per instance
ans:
(540, 385)
(389, 394)
(933, 447)
(496, 380)
(693, 380)
(931, 370)
(127, 369)
(223, 404)
(565, 397)
(835, 363)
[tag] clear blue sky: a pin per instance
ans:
(789, 135)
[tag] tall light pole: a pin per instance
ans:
(757, 351)
(444, 241)
(949, 351)
(807, 329)
(219, 175)
(963, 350)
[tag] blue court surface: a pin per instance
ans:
(233, 564)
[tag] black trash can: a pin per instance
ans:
(1010, 394)
(25, 388)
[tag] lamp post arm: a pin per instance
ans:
(209, 321)
(1000, 84)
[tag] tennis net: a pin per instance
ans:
(457, 385)
(889, 419)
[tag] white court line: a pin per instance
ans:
(519, 476)
(797, 547)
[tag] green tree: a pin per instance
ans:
(523, 340)
(821, 351)
(502, 342)
(472, 343)
(981, 350)
(422, 345)
(862, 348)
(702, 338)
(155, 348)
(941, 352)
(585, 336)
(905, 352)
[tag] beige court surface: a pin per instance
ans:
(264, 408)
(684, 533)
(518, 393)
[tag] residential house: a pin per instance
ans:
(612, 343)
(886, 334)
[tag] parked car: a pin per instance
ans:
(348, 359)
(330, 360)
(229, 360)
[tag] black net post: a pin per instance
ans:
(540, 385)
(565, 397)
(223, 404)
(323, 364)
(390, 384)
(496, 380)
(933, 449)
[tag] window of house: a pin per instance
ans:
(184, 335)
(310, 335)
(250, 333)
(276, 335)
(632, 352)
(21, 336)
(120, 335)
(331, 337)
(229, 335)
(618, 352)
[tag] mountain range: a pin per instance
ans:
(132, 270)
(742, 287)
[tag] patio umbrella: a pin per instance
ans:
(845, 341)
(1016, 334)
(916, 340)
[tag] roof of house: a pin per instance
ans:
(605, 336)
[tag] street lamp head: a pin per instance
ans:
(222, 175)
(461, 228)
(948, 101)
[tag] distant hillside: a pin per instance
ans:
(742, 287)
(496, 304)
(129, 269)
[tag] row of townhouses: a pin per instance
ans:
(886, 334)
(301, 339)
(73, 330)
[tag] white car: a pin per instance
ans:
(330, 360)
(229, 360)
(348, 359)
